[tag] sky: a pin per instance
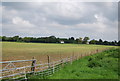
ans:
(97, 20)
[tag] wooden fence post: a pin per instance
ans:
(97, 50)
(73, 56)
(62, 62)
(71, 59)
(33, 65)
(91, 53)
(53, 68)
(25, 74)
(60, 56)
(78, 57)
(67, 60)
(48, 61)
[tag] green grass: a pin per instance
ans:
(99, 66)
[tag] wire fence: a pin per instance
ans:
(22, 73)
(12, 71)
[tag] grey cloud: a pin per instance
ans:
(108, 9)
(65, 17)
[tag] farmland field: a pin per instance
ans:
(40, 51)
(23, 51)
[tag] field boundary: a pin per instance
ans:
(45, 69)
(34, 69)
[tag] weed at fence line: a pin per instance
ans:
(99, 66)
(48, 72)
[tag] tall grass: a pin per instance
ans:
(99, 66)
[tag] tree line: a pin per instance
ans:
(53, 39)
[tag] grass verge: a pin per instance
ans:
(99, 66)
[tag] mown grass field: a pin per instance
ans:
(99, 66)
(23, 51)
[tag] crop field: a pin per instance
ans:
(24, 51)
(40, 51)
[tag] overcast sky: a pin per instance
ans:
(61, 19)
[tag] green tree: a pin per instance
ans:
(93, 41)
(100, 42)
(85, 40)
(115, 42)
(79, 41)
(72, 40)
(4, 38)
(106, 43)
(15, 38)
(51, 39)
(26, 39)
(0, 38)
